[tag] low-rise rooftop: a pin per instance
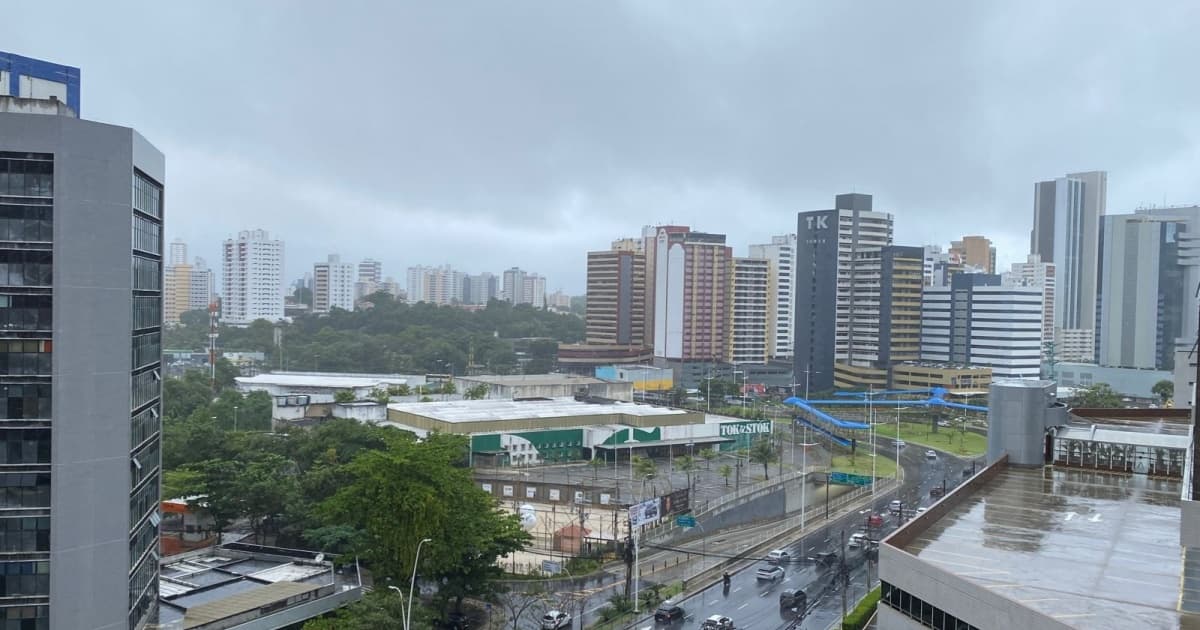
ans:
(458, 411)
(533, 380)
(1089, 549)
(331, 380)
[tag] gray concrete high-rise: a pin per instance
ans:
(81, 225)
(1066, 232)
(827, 244)
(1142, 292)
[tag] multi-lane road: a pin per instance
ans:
(755, 604)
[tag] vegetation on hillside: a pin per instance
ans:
(395, 337)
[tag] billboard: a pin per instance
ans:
(644, 512)
(675, 502)
(762, 427)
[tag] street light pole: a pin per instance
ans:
(412, 582)
(235, 418)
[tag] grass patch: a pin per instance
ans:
(857, 618)
(650, 597)
(861, 465)
(949, 439)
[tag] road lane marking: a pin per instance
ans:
(737, 589)
(743, 605)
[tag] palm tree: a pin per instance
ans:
(725, 471)
(596, 463)
(645, 469)
(763, 452)
(708, 455)
(686, 464)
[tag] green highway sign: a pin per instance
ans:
(847, 479)
(685, 520)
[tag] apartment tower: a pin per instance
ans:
(780, 255)
(333, 285)
(616, 290)
(252, 271)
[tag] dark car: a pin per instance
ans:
(793, 598)
(668, 613)
(826, 559)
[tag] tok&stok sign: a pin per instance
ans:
(743, 428)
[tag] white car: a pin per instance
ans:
(555, 620)
(778, 556)
(769, 574)
(717, 622)
(931, 454)
(857, 540)
(895, 506)
(922, 510)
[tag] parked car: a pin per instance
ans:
(668, 612)
(895, 506)
(717, 622)
(857, 540)
(769, 574)
(930, 454)
(555, 620)
(778, 556)
(793, 598)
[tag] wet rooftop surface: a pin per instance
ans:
(1090, 549)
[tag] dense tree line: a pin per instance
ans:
(395, 337)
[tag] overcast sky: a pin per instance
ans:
(492, 134)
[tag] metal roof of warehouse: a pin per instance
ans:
(498, 410)
(324, 379)
(1097, 433)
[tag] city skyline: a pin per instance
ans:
(500, 153)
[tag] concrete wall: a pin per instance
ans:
(1017, 415)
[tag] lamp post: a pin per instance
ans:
(412, 582)
(235, 418)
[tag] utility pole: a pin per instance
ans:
(828, 479)
(629, 558)
(844, 575)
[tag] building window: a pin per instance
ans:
(147, 274)
(24, 579)
(147, 195)
(25, 268)
(25, 312)
(24, 490)
(147, 311)
(26, 175)
(24, 446)
(145, 426)
(919, 610)
(25, 618)
(143, 464)
(24, 534)
(147, 235)
(24, 401)
(25, 357)
(147, 349)
(145, 388)
(26, 222)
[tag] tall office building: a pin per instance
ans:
(1036, 273)
(1066, 231)
(513, 287)
(333, 285)
(1188, 245)
(827, 245)
(435, 285)
(252, 274)
(977, 321)
(616, 290)
(780, 255)
(749, 279)
(940, 266)
(1141, 291)
(81, 372)
(885, 315)
(977, 252)
(533, 290)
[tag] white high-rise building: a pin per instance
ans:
(333, 285)
(980, 323)
(1066, 232)
(748, 301)
(780, 255)
(252, 274)
(533, 290)
(1036, 273)
(178, 253)
(435, 285)
(370, 271)
(513, 285)
(200, 294)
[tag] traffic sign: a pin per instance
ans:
(685, 520)
(848, 479)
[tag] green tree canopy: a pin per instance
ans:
(1100, 395)
(1164, 389)
(764, 452)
